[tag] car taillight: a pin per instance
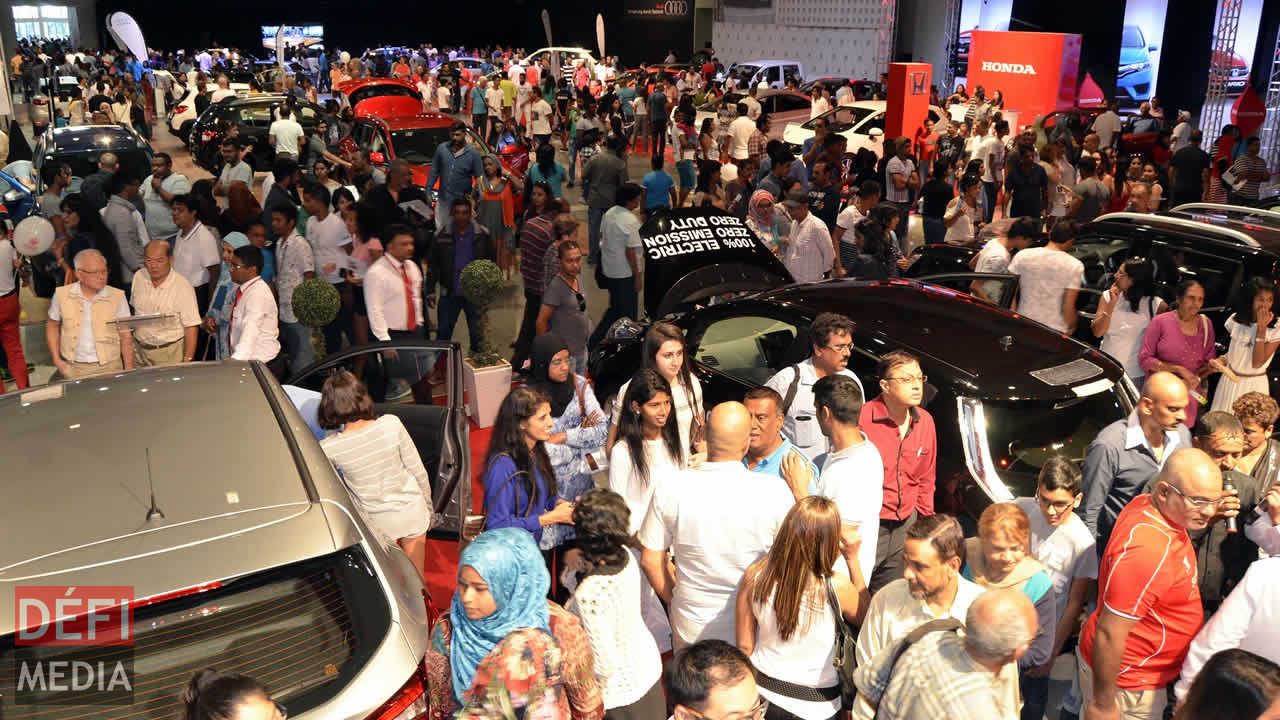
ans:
(409, 702)
(180, 109)
(209, 135)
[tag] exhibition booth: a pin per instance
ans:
(1037, 73)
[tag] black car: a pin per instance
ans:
(80, 147)
(1005, 392)
(1214, 246)
(253, 116)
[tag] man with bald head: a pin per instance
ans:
(170, 339)
(1128, 452)
(1149, 608)
(715, 520)
(940, 674)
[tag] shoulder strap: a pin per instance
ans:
(940, 625)
(791, 390)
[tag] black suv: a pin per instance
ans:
(1005, 392)
(253, 116)
(80, 147)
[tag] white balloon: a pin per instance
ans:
(33, 236)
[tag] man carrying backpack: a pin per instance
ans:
(832, 336)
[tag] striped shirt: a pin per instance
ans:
(385, 475)
(937, 678)
(1148, 575)
(536, 238)
(1248, 164)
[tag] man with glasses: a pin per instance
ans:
(1128, 452)
(171, 338)
(1223, 557)
(1149, 610)
(904, 434)
(83, 339)
(713, 680)
(832, 336)
(253, 330)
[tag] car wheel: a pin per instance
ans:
(184, 132)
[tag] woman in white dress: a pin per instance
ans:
(1125, 310)
(664, 352)
(1248, 355)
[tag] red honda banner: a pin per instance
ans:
(1090, 95)
(908, 98)
(1036, 72)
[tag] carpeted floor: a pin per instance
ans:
(442, 556)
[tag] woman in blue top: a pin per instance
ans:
(547, 170)
(519, 484)
(1000, 557)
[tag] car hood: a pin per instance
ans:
(387, 106)
(697, 253)
(1131, 55)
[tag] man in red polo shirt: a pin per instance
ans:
(1149, 608)
(903, 433)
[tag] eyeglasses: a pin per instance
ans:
(154, 261)
(92, 272)
(756, 712)
(1196, 502)
(565, 362)
(842, 348)
(909, 379)
(236, 266)
(1058, 507)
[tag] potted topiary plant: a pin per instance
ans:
(487, 376)
(316, 303)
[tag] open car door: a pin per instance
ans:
(397, 374)
(999, 289)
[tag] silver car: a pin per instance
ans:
(203, 488)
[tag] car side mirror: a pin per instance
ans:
(876, 133)
(377, 158)
(1153, 48)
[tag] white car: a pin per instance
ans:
(784, 108)
(183, 113)
(570, 58)
(862, 123)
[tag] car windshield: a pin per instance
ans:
(243, 77)
(418, 145)
(85, 162)
(743, 73)
(382, 90)
(842, 119)
(1132, 37)
(1023, 435)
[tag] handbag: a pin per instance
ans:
(846, 659)
(1233, 180)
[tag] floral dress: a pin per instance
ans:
(568, 459)
(520, 678)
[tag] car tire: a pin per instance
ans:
(184, 132)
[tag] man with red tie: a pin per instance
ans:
(393, 289)
(253, 330)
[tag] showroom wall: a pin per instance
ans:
(828, 38)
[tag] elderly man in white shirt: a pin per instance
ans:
(254, 326)
(1249, 619)
(82, 334)
(170, 339)
(807, 252)
(716, 520)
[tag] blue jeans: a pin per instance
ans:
(623, 302)
(447, 309)
(594, 216)
(573, 159)
(1035, 696)
(296, 339)
(935, 231)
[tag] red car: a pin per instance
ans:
(414, 138)
(1080, 120)
(383, 97)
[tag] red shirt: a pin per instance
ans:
(910, 463)
(1148, 574)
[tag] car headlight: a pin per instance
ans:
(12, 196)
(1135, 67)
(624, 329)
(977, 450)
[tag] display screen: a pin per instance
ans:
(1140, 44)
(294, 36)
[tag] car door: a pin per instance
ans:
(996, 288)
(398, 376)
(1220, 271)
(790, 108)
(255, 125)
(1102, 253)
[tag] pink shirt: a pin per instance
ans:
(362, 254)
(1165, 342)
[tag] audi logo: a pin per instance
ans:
(675, 7)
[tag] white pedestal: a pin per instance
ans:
(486, 387)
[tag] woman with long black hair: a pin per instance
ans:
(664, 352)
(647, 442)
(1125, 311)
(86, 230)
(519, 483)
(211, 695)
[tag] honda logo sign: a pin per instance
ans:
(919, 83)
(1011, 68)
(675, 7)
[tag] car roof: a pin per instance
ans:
(769, 61)
(94, 137)
(412, 122)
(1220, 229)
(215, 447)
(351, 86)
(988, 351)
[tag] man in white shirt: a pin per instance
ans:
(539, 118)
(753, 105)
(393, 289)
(807, 252)
(294, 263)
(285, 134)
(161, 291)
(253, 329)
(158, 190)
(716, 520)
(224, 90)
(1050, 280)
(328, 235)
(832, 337)
(444, 95)
(233, 169)
(996, 254)
(10, 315)
(988, 149)
(931, 589)
(740, 132)
(493, 101)
(196, 254)
(1108, 125)
(852, 472)
(80, 333)
(524, 94)
(620, 259)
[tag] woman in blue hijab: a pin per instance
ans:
(219, 313)
(502, 587)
